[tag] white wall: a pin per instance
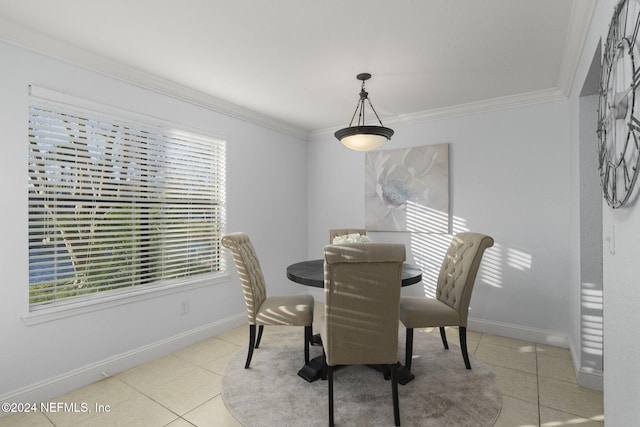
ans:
(621, 270)
(586, 338)
(509, 178)
(266, 188)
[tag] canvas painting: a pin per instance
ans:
(408, 189)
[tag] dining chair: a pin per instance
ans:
(455, 283)
(334, 232)
(362, 293)
(289, 310)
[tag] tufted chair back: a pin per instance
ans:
(459, 269)
(249, 270)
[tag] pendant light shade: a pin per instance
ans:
(363, 137)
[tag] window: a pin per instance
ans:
(118, 203)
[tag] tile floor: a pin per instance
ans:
(183, 389)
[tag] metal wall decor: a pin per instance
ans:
(618, 115)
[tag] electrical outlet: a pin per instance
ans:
(611, 240)
(184, 307)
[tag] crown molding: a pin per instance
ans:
(26, 38)
(582, 12)
(477, 107)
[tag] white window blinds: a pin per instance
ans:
(116, 203)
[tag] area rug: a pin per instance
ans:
(444, 393)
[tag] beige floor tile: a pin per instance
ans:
(552, 418)
(521, 358)
(218, 365)
(212, 414)
(238, 336)
(473, 341)
(517, 413)
(453, 338)
(553, 351)
(556, 368)
(452, 333)
(518, 384)
(188, 391)
(570, 398)
(25, 419)
(521, 346)
(154, 373)
(140, 411)
(110, 391)
(206, 351)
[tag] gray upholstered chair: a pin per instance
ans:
(291, 310)
(334, 232)
(362, 292)
(450, 307)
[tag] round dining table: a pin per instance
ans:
(311, 273)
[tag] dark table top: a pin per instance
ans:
(311, 273)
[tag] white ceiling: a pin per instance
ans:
(292, 63)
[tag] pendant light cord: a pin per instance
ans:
(360, 106)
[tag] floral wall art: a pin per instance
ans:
(408, 189)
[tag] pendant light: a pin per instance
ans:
(363, 137)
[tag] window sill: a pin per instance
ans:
(102, 302)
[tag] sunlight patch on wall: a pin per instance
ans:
(459, 225)
(591, 298)
(423, 219)
(518, 259)
(491, 268)
(592, 330)
(592, 342)
(428, 252)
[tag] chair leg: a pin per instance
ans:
(443, 334)
(463, 345)
(386, 372)
(252, 343)
(260, 329)
(394, 393)
(325, 367)
(308, 335)
(330, 378)
(408, 348)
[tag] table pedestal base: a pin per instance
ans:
(312, 371)
(404, 375)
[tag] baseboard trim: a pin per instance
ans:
(586, 377)
(55, 386)
(539, 336)
(593, 380)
